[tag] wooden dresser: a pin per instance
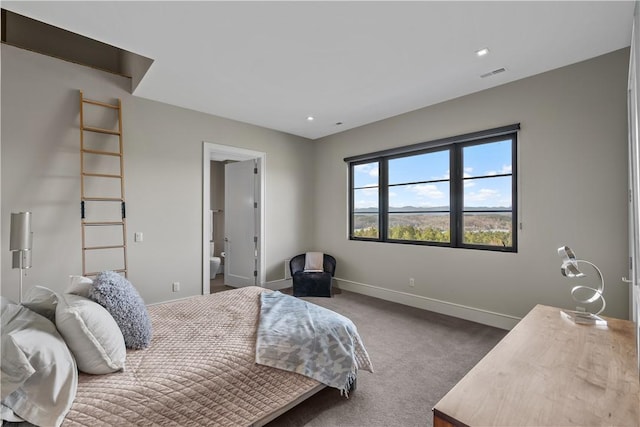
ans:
(549, 371)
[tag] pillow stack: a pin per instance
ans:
(39, 374)
(98, 319)
(49, 337)
(89, 330)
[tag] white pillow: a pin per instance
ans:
(314, 262)
(79, 285)
(43, 301)
(91, 333)
(39, 375)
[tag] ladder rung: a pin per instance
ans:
(95, 273)
(102, 223)
(106, 153)
(92, 248)
(100, 130)
(102, 104)
(103, 175)
(102, 199)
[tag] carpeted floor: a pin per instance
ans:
(418, 356)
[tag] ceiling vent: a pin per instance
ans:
(494, 72)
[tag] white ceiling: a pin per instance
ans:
(273, 64)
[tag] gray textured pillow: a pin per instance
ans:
(123, 302)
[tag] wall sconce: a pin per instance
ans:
(582, 294)
(20, 241)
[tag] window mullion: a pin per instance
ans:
(383, 184)
(456, 196)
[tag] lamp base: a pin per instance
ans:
(584, 318)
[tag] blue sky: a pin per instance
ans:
(480, 160)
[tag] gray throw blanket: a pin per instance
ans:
(302, 337)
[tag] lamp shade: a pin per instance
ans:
(20, 238)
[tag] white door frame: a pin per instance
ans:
(218, 152)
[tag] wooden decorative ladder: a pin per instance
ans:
(102, 247)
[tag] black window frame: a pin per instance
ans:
(455, 145)
(351, 201)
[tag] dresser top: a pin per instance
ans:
(549, 371)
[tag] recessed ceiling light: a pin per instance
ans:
(310, 118)
(482, 52)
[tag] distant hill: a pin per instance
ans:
(434, 209)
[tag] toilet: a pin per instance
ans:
(214, 261)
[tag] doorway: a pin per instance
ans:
(224, 153)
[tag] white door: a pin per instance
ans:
(240, 223)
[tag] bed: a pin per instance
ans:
(200, 369)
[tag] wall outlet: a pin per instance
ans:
(137, 237)
(412, 282)
(176, 286)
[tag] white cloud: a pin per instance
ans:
(370, 169)
(427, 190)
(506, 169)
(362, 168)
(482, 195)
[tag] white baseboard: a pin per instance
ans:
(498, 320)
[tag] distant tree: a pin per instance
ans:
(369, 232)
(410, 232)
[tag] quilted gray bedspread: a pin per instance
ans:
(298, 336)
(200, 370)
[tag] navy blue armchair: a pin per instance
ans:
(312, 284)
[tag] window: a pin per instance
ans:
(457, 192)
(365, 196)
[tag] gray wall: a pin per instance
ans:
(572, 190)
(572, 186)
(163, 169)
